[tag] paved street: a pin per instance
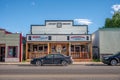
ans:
(71, 72)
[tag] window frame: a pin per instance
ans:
(9, 55)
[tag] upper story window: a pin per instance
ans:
(59, 25)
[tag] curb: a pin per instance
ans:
(26, 63)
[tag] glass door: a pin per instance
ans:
(2, 54)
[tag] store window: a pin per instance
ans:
(77, 48)
(45, 48)
(12, 51)
(64, 49)
(40, 48)
(53, 48)
(72, 48)
(35, 47)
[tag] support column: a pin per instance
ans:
(69, 48)
(26, 50)
(48, 48)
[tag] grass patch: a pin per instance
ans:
(96, 60)
(24, 61)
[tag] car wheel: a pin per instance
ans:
(64, 63)
(109, 64)
(113, 62)
(38, 63)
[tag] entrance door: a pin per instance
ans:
(2, 54)
(56, 48)
(59, 48)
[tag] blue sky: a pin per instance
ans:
(18, 15)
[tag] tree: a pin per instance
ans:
(114, 22)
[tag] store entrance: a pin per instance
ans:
(59, 48)
(2, 54)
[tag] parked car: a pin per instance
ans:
(52, 59)
(112, 60)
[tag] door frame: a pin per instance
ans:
(57, 45)
(2, 52)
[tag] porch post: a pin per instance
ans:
(69, 48)
(48, 48)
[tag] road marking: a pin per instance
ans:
(62, 76)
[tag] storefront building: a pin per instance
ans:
(59, 36)
(106, 42)
(10, 46)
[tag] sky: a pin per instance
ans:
(19, 15)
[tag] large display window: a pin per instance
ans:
(80, 51)
(12, 52)
(37, 50)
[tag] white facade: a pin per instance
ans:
(59, 27)
(59, 36)
(59, 30)
(107, 40)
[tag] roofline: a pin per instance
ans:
(57, 21)
(6, 32)
(109, 29)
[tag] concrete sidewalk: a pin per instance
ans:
(20, 63)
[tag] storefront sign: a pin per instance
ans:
(58, 38)
(79, 38)
(37, 38)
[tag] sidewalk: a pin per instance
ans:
(20, 63)
(84, 63)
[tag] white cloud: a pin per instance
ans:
(33, 3)
(116, 7)
(83, 21)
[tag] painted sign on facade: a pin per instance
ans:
(58, 38)
(79, 38)
(37, 38)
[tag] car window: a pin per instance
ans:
(58, 56)
(49, 56)
(119, 55)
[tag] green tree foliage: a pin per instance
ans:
(114, 22)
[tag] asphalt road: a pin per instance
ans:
(71, 72)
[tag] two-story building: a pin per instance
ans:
(59, 36)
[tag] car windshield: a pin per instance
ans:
(116, 54)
